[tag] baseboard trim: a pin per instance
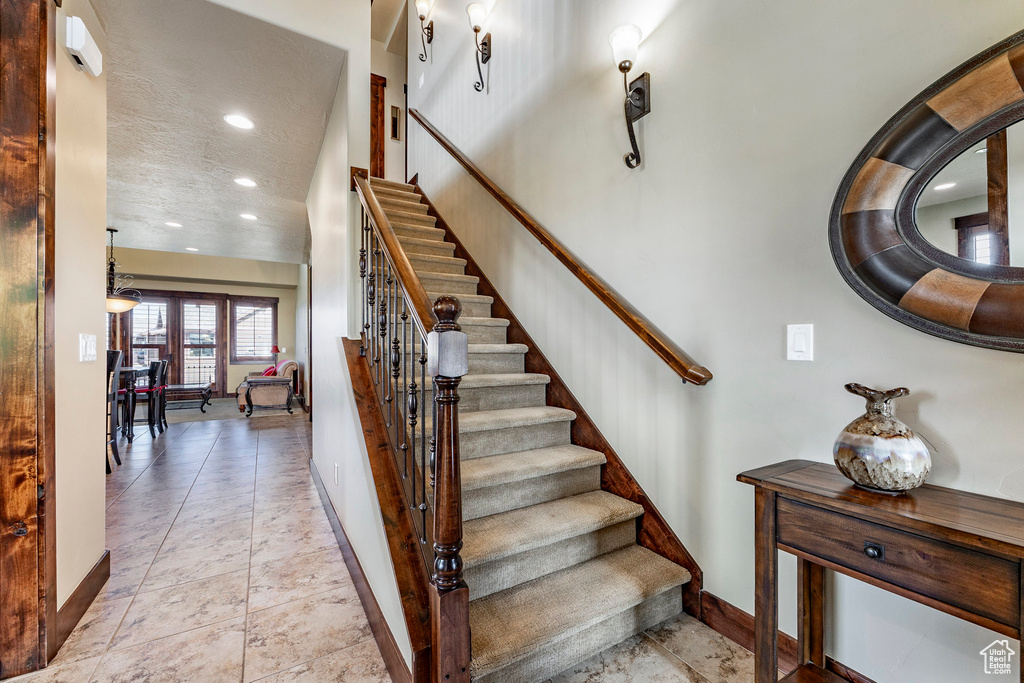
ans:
(738, 626)
(74, 608)
(386, 643)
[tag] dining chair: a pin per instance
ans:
(151, 390)
(114, 360)
(168, 359)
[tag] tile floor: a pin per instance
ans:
(224, 568)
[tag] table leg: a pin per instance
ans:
(810, 612)
(766, 587)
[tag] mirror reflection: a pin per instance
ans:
(974, 207)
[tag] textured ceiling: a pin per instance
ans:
(174, 70)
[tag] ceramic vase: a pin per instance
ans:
(879, 452)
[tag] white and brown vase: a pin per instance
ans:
(876, 450)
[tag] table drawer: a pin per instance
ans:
(973, 581)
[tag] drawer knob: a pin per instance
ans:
(874, 551)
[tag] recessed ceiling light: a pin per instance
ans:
(246, 182)
(191, 249)
(239, 121)
(249, 216)
(172, 224)
(945, 186)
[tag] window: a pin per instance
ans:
(253, 329)
(980, 242)
(148, 332)
(199, 341)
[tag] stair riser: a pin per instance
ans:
(405, 218)
(453, 268)
(390, 204)
(511, 571)
(512, 496)
(456, 287)
(441, 248)
(512, 439)
(472, 309)
(500, 398)
(495, 363)
(485, 334)
(557, 657)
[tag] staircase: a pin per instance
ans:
(554, 571)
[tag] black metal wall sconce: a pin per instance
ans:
(625, 41)
(477, 14)
(427, 31)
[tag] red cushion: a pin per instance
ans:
(271, 371)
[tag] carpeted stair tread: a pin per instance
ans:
(509, 468)
(453, 277)
(389, 192)
(391, 204)
(486, 420)
(398, 217)
(432, 244)
(426, 259)
(498, 348)
(381, 182)
(500, 536)
(465, 298)
(509, 625)
(506, 379)
(418, 232)
(483, 322)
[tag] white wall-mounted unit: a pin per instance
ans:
(82, 48)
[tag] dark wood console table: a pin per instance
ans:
(957, 552)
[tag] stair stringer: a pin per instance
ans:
(652, 531)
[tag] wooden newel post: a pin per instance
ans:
(447, 362)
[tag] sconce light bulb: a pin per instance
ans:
(625, 42)
(477, 14)
(422, 7)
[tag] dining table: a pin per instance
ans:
(131, 375)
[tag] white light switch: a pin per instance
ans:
(86, 347)
(799, 342)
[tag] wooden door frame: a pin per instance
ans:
(377, 124)
(28, 592)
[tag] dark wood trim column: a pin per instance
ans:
(377, 125)
(27, 542)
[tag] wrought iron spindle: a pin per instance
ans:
(362, 275)
(423, 431)
(402, 388)
(414, 404)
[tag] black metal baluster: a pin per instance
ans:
(382, 331)
(423, 442)
(371, 299)
(362, 276)
(402, 387)
(414, 401)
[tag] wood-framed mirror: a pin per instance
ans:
(888, 223)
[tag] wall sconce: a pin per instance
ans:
(426, 32)
(477, 14)
(625, 41)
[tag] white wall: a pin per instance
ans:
(392, 67)
(937, 226)
(302, 326)
(338, 444)
(79, 284)
(721, 239)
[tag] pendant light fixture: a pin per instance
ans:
(119, 297)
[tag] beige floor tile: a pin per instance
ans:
(282, 541)
(709, 652)
(276, 583)
(93, 633)
(198, 562)
(636, 660)
(189, 533)
(208, 655)
(282, 637)
(75, 672)
(180, 608)
(360, 663)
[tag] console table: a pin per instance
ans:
(957, 552)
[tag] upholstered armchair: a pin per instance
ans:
(274, 387)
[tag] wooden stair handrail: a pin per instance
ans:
(419, 303)
(670, 352)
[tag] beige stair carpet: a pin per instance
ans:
(552, 563)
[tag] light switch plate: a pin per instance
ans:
(800, 342)
(86, 348)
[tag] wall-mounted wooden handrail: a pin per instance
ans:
(677, 359)
(419, 303)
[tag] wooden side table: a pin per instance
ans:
(957, 552)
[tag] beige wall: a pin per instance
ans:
(79, 282)
(302, 323)
(339, 451)
(391, 67)
(198, 273)
(721, 239)
(936, 221)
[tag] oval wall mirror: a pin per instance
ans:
(928, 223)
